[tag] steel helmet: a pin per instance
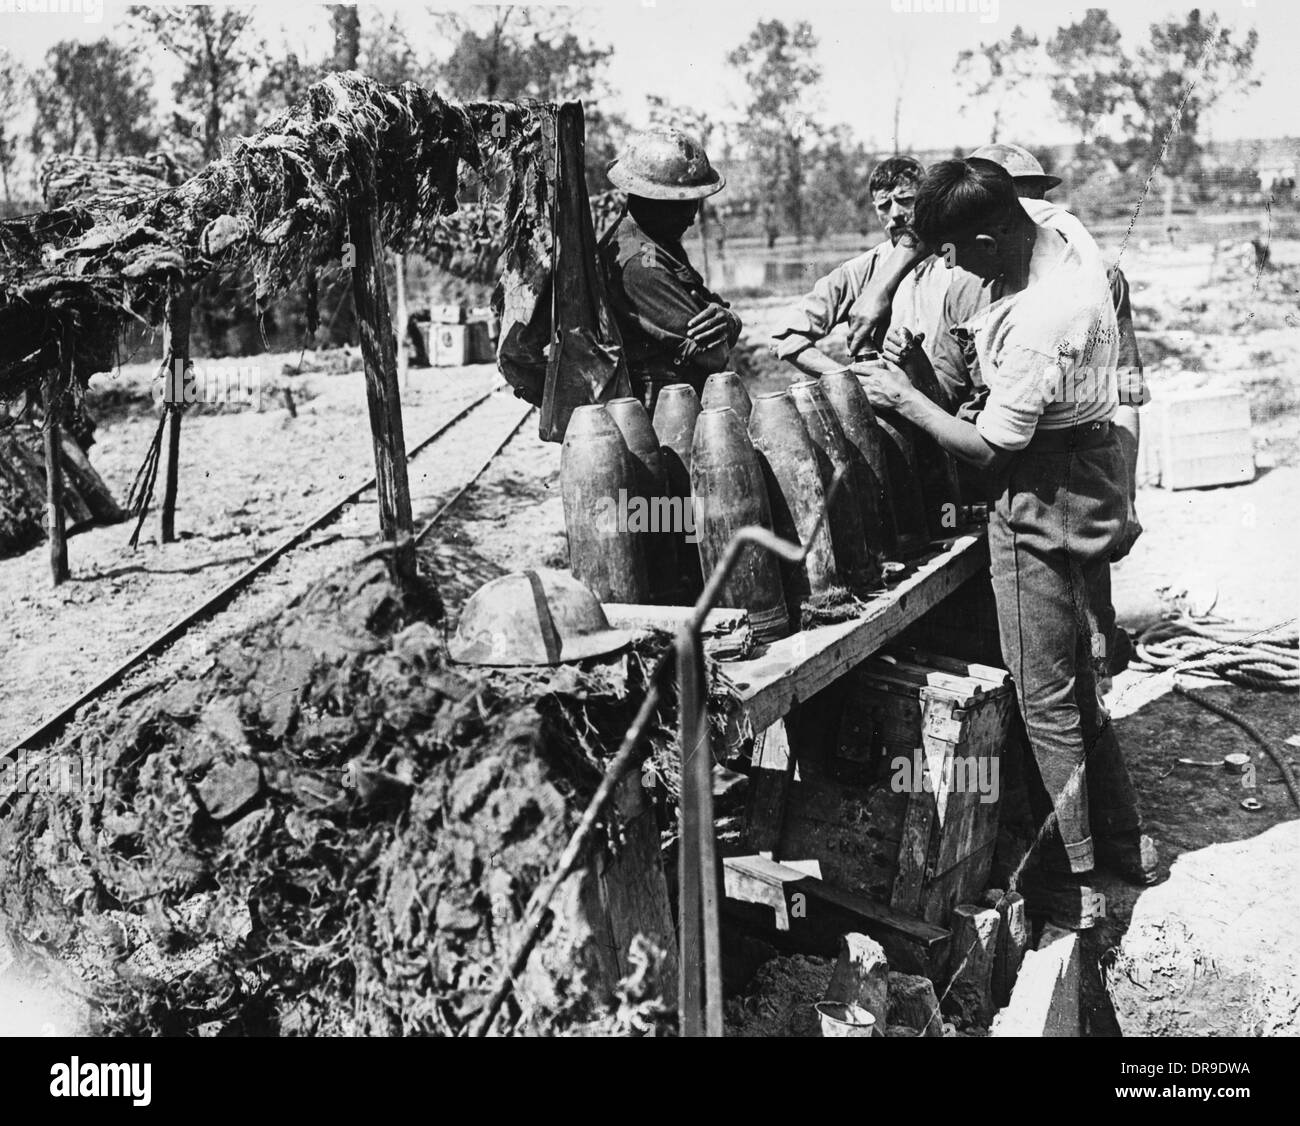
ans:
(665, 163)
(1019, 162)
(535, 617)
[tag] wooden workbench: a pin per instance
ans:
(763, 689)
(757, 696)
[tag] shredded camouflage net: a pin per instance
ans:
(278, 203)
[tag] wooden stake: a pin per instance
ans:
(383, 393)
(1013, 941)
(403, 320)
(54, 524)
(176, 362)
(971, 957)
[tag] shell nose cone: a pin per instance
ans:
(725, 389)
(535, 617)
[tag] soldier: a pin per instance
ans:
(674, 329)
(1060, 512)
(1033, 183)
(916, 301)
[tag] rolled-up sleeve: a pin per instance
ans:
(827, 305)
(1027, 382)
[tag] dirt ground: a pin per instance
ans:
(249, 478)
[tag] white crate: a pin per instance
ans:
(447, 314)
(456, 345)
(1201, 438)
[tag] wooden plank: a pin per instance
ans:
(54, 520)
(80, 477)
(769, 784)
(634, 890)
(176, 362)
(971, 960)
(1013, 941)
(794, 668)
(913, 853)
(383, 394)
(669, 619)
(910, 944)
(960, 884)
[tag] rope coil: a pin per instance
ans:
(1268, 660)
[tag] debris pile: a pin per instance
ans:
(327, 829)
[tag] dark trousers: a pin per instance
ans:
(1060, 510)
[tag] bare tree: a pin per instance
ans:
(96, 101)
(1090, 72)
(215, 48)
(777, 64)
(13, 87)
(994, 73)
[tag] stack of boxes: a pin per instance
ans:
(459, 336)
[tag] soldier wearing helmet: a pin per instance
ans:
(952, 353)
(675, 330)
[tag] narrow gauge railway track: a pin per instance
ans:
(441, 437)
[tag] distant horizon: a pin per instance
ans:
(677, 49)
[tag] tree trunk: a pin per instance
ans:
(347, 36)
(176, 362)
(383, 393)
(53, 464)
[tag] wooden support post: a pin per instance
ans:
(403, 321)
(971, 957)
(1013, 941)
(54, 524)
(176, 362)
(383, 394)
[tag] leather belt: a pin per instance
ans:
(1086, 437)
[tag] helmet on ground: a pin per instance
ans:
(665, 163)
(535, 617)
(1019, 162)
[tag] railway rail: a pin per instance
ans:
(48, 729)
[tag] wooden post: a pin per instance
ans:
(54, 525)
(176, 362)
(1013, 941)
(383, 394)
(971, 957)
(403, 320)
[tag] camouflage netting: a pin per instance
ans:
(278, 202)
(326, 829)
(67, 179)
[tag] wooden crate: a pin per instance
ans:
(1200, 438)
(855, 818)
(460, 344)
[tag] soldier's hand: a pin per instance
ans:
(710, 326)
(868, 321)
(886, 385)
(898, 345)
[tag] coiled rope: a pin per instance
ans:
(1267, 660)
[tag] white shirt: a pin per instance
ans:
(917, 303)
(1048, 353)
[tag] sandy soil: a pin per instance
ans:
(248, 480)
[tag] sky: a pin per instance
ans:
(677, 48)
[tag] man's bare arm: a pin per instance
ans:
(888, 388)
(869, 315)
